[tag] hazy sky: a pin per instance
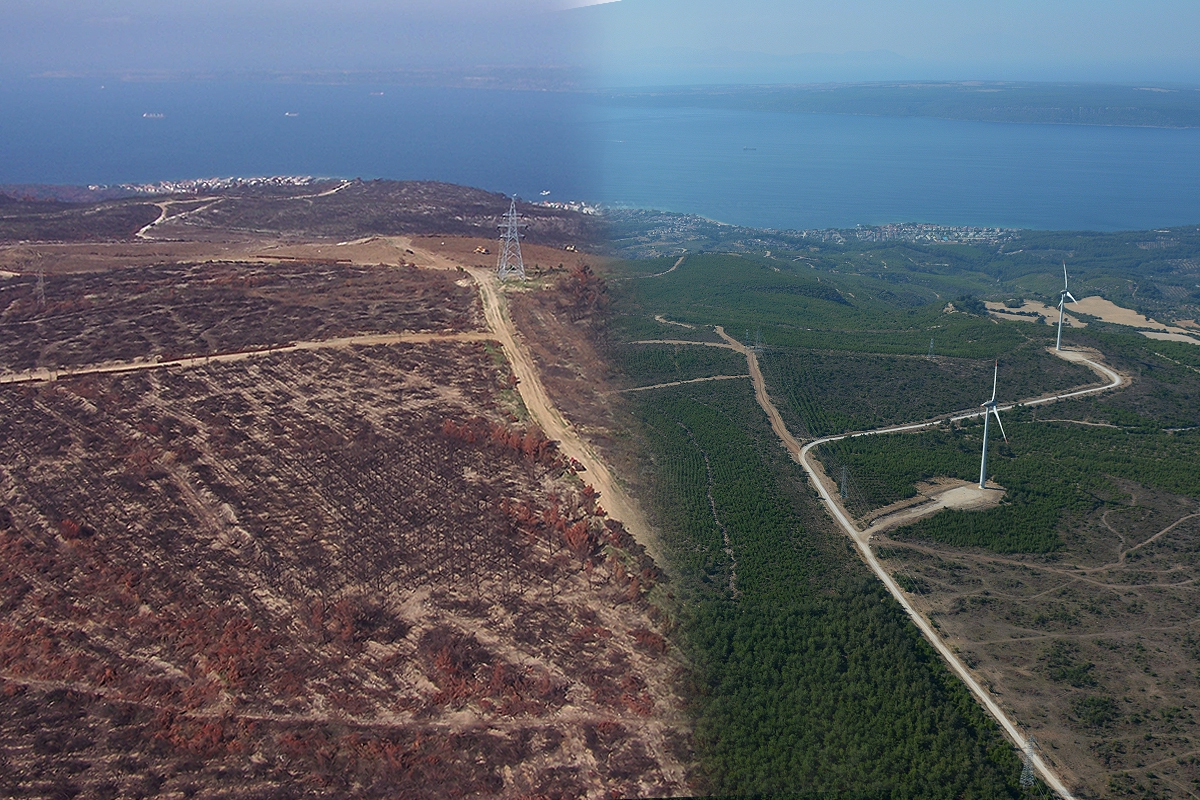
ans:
(231, 35)
(638, 41)
(783, 40)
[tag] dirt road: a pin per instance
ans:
(164, 209)
(681, 383)
(674, 267)
(613, 498)
(861, 539)
(46, 374)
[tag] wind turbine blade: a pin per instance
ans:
(995, 375)
(1073, 300)
(1064, 274)
(1001, 424)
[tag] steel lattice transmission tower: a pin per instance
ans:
(40, 289)
(510, 264)
(1028, 776)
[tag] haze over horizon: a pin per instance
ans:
(624, 43)
(663, 42)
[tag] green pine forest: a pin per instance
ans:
(807, 678)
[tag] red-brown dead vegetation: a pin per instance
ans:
(284, 576)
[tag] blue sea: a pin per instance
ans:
(750, 168)
(772, 170)
(78, 131)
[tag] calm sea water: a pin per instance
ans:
(74, 131)
(810, 170)
(750, 168)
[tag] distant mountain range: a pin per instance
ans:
(1044, 103)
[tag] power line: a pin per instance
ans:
(510, 265)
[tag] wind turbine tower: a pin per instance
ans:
(510, 264)
(990, 408)
(1062, 300)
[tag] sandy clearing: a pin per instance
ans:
(967, 496)
(1109, 311)
(1171, 337)
(368, 251)
(1029, 306)
(1096, 306)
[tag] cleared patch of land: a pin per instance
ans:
(1170, 337)
(1033, 311)
(1094, 647)
(960, 495)
(1111, 312)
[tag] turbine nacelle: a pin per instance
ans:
(1064, 294)
(1062, 302)
(990, 407)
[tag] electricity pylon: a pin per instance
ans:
(510, 263)
(1028, 776)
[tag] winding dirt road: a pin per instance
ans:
(800, 453)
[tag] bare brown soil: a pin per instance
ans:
(1096, 648)
(387, 208)
(1033, 311)
(343, 572)
(542, 263)
(932, 497)
(334, 211)
(568, 348)
(174, 310)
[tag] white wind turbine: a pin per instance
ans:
(1062, 300)
(990, 408)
